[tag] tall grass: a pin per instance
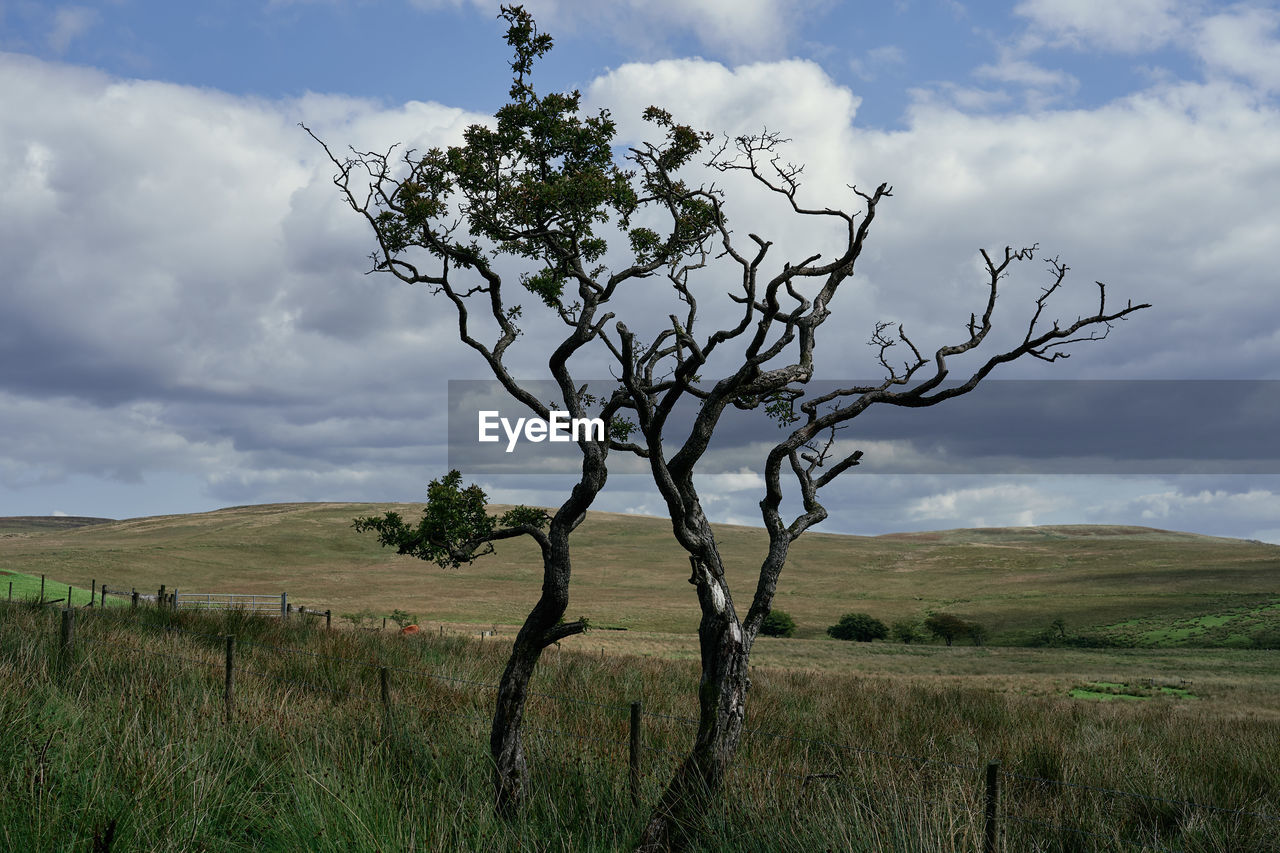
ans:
(126, 737)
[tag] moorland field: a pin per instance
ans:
(857, 746)
(1138, 586)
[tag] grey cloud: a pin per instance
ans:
(184, 291)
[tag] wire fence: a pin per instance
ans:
(605, 729)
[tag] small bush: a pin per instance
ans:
(778, 624)
(946, 627)
(1267, 638)
(906, 631)
(402, 618)
(359, 618)
(862, 627)
(978, 633)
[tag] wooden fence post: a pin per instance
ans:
(11, 590)
(42, 589)
(68, 595)
(229, 693)
(93, 590)
(134, 599)
(991, 827)
(160, 598)
(328, 620)
(284, 605)
(635, 753)
(68, 633)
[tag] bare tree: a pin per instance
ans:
(777, 331)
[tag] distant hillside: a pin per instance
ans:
(1132, 582)
(42, 523)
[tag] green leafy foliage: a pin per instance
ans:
(620, 429)
(782, 410)
(945, 627)
(978, 633)
(778, 624)
(538, 183)
(906, 631)
(358, 618)
(455, 527)
(402, 618)
(862, 627)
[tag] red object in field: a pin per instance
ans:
(408, 629)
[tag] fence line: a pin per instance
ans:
(174, 631)
(777, 735)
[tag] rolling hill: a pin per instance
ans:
(1136, 585)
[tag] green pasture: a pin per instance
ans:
(16, 586)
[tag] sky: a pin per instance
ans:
(186, 322)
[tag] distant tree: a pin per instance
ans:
(862, 627)
(1059, 628)
(945, 627)
(906, 631)
(978, 633)
(778, 624)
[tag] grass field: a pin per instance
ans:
(22, 587)
(126, 736)
(867, 747)
(1135, 585)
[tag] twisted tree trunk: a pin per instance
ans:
(506, 744)
(722, 697)
(543, 626)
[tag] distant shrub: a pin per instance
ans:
(402, 618)
(946, 627)
(358, 618)
(778, 624)
(862, 627)
(906, 631)
(1268, 638)
(978, 633)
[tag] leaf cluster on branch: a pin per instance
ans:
(455, 527)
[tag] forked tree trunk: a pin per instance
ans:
(722, 695)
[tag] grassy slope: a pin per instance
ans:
(629, 572)
(129, 727)
(15, 524)
(24, 587)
